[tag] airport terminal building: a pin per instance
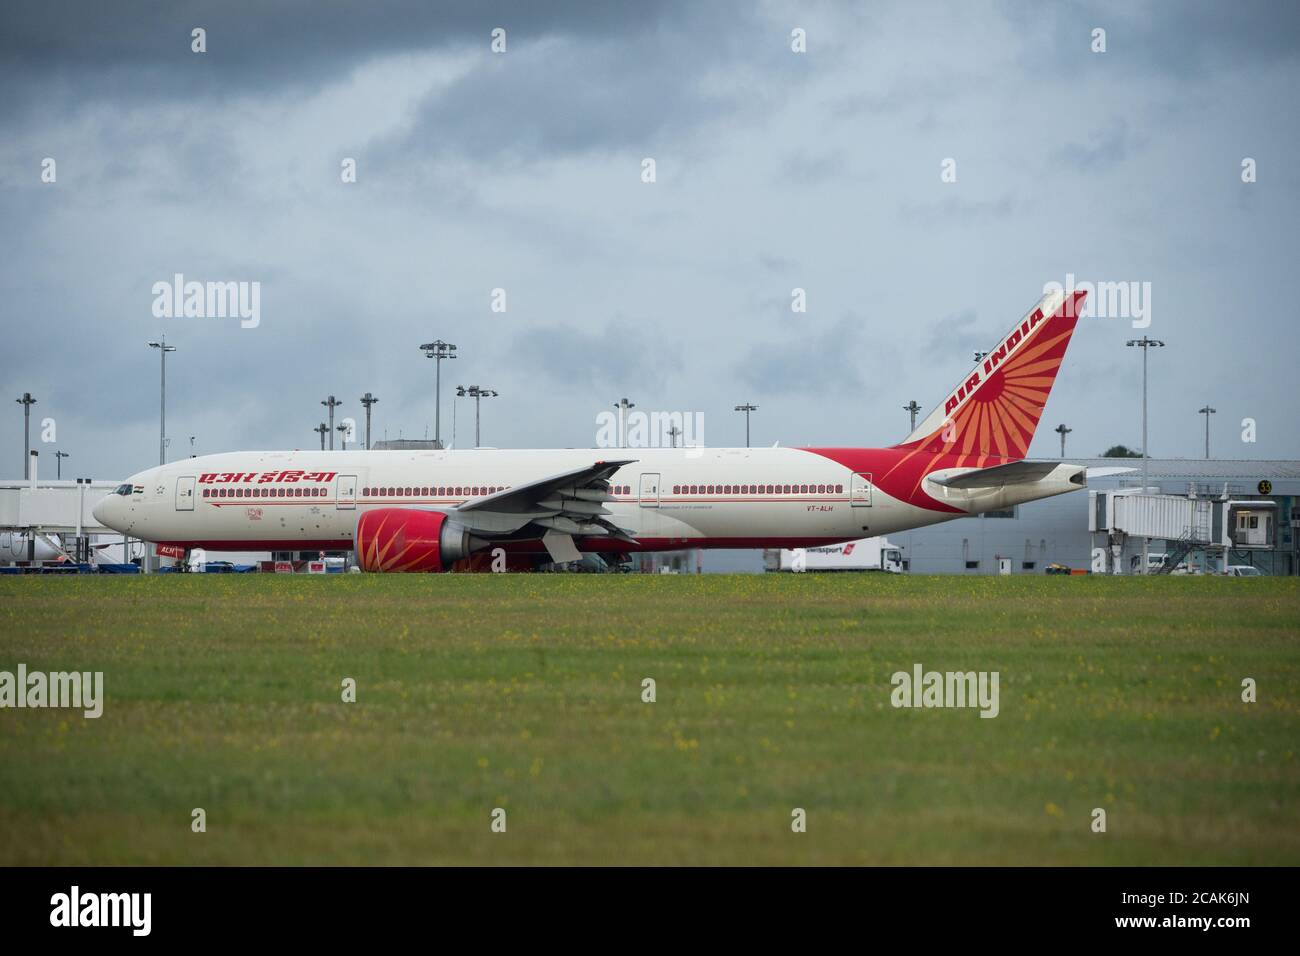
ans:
(1028, 538)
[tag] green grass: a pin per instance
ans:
(524, 692)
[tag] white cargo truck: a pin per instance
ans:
(865, 554)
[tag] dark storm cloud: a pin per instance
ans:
(59, 58)
(521, 170)
(574, 93)
(254, 44)
(576, 76)
(1184, 39)
(539, 102)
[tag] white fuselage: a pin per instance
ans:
(966, 457)
(666, 498)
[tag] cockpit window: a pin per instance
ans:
(123, 489)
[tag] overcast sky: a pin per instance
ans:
(522, 170)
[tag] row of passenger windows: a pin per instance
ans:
(454, 491)
(264, 492)
(431, 491)
(758, 489)
(475, 491)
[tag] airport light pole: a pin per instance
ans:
(912, 408)
(673, 432)
(623, 406)
(58, 463)
(1207, 411)
(438, 350)
(331, 403)
(1063, 431)
(342, 429)
(1145, 344)
(368, 400)
(163, 348)
(477, 393)
(747, 408)
(322, 429)
(26, 402)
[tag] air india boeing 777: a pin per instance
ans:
(442, 510)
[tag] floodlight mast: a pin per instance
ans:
(476, 392)
(438, 350)
(1062, 431)
(26, 401)
(368, 400)
(163, 348)
(912, 408)
(331, 403)
(747, 408)
(1207, 411)
(1146, 344)
(623, 406)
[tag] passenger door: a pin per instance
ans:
(860, 490)
(185, 493)
(650, 490)
(345, 492)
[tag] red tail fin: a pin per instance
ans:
(995, 409)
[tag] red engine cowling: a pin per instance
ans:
(404, 539)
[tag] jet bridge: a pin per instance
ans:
(1184, 523)
(39, 516)
(53, 507)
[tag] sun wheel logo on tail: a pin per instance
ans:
(988, 419)
(995, 411)
(407, 540)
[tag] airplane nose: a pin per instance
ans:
(100, 512)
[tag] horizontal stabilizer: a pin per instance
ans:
(1016, 473)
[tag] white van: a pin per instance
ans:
(1154, 560)
(1243, 571)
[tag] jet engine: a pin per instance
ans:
(405, 539)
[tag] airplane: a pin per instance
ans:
(441, 510)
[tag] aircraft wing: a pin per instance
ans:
(1016, 473)
(562, 506)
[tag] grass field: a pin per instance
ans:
(773, 692)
